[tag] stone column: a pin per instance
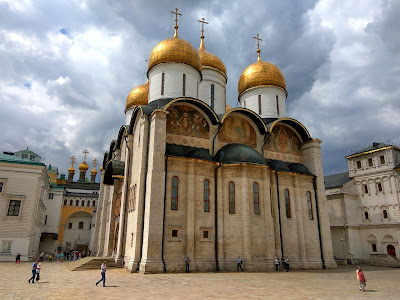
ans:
(111, 216)
(190, 212)
(153, 219)
(245, 217)
(299, 220)
(97, 225)
(102, 222)
(268, 217)
(275, 215)
(223, 199)
(312, 160)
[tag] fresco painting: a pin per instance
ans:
(185, 120)
(284, 140)
(237, 130)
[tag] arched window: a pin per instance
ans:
(70, 226)
(184, 84)
(162, 83)
(259, 104)
(373, 247)
(93, 203)
(391, 250)
(83, 202)
(366, 215)
(206, 196)
(174, 194)
(287, 204)
(232, 208)
(277, 104)
(65, 202)
(88, 203)
(212, 96)
(309, 204)
(80, 225)
(70, 202)
(256, 198)
(385, 214)
(77, 203)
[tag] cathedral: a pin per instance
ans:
(188, 176)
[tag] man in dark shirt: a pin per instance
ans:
(34, 267)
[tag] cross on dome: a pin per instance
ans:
(85, 153)
(202, 26)
(95, 161)
(73, 160)
(176, 21)
(257, 37)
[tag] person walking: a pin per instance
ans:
(287, 260)
(50, 258)
(103, 274)
(34, 267)
(41, 256)
(187, 261)
(38, 272)
(18, 258)
(276, 264)
(239, 264)
(362, 280)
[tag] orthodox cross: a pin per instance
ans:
(73, 160)
(85, 153)
(95, 161)
(202, 26)
(257, 37)
(176, 21)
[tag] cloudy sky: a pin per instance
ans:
(66, 67)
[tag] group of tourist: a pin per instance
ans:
(60, 256)
(283, 264)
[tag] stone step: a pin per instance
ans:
(91, 263)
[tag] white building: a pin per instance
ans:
(364, 206)
(23, 190)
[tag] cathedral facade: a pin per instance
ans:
(188, 176)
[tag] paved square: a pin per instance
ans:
(58, 282)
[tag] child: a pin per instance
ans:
(362, 279)
(38, 272)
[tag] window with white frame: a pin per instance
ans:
(14, 207)
(6, 247)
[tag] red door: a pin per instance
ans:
(391, 250)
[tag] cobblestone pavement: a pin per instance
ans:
(58, 282)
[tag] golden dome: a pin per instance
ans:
(83, 166)
(209, 60)
(175, 50)
(71, 169)
(138, 96)
(261, 73)
(94, 171)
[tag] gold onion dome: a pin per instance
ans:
(71, 168)
(83, 166)
(261, 73)
(94, 171)
(209, 60)
(138, 96)
(175, 50)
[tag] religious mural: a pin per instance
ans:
(237, 130)
(185, 120)
(284, 140)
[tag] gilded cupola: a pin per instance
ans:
(138, 96)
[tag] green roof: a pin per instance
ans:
(18, 160)
(336, 180)
(374, 146)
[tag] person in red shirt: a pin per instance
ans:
(361, 279)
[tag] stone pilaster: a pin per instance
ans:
(190, 212)
(245, 217)
(97, 225)
(275, 215)
(269, 221)
(299, 220)
(102, 224)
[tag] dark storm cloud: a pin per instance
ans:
(67, 67)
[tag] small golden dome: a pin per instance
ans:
(83, 166)
(94, 171)
(209, 60)
(228, 108)
(175, 50)
(138, 96)
(71, 169)
(261, 73)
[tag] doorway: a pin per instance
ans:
(391, 250)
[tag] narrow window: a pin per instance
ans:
(77, 203)
(374, 248)
(88, 203)
(206, 196)
(205, 234)
(277, 105)
(1, 187)
(358, 164)
(256, 198)
(385, 214)
(13, 208)
(45, 220)
(309, 204)
(174, 194)
(370, 162)
(366, 215)
(51, 195)
(259, 104)
(232, 197)
(174, 233)
(70, 226)
(184, 85)
(93, 203)
(382, 158)
(287, 204)
(65, 202)
(212, 96)
(379, 187)
(70, 202)
(90, 226)
(83, 203)
(365, 189)
(162, 83)
(244, 104)
(80, 225)
(131, 239)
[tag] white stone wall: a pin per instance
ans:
(211, 76)
(173, 81)
(76, 236)
(249, 99)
